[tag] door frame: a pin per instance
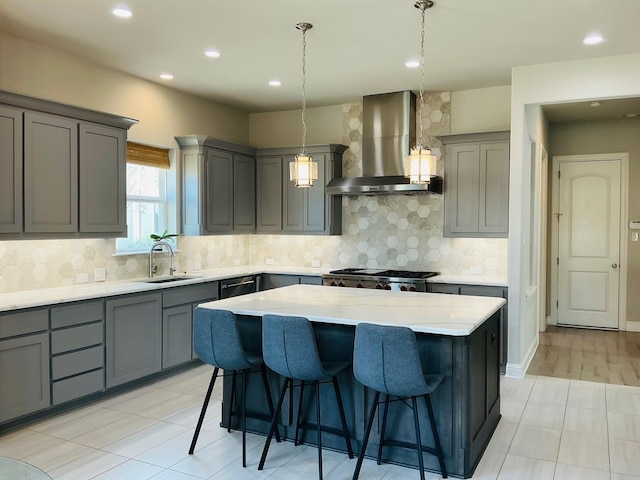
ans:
(624, 228)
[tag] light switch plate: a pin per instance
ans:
(475, 270)
(82, 278)
(236, 262)
(315, 264)
(99, 275)
(268, 261)
(197, 266)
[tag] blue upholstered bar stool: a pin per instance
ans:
(216, 341)
(386, 359)
(289, 349)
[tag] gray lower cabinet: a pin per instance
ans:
(218, 186)
(303, 210)
(271, 280)
(133, 337)
(177, 320)
(482, 291)
(24, 363)
(11, 168)
(476, 195)
(77, 350)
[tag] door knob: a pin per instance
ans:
(615, 265)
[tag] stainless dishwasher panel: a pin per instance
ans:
(232, 287)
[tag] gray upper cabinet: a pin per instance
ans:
(304, 210)
(269, 194)
(103, 179)
(476, 195)
(51, 174)
(11, 167)
(63, 170)
(218, 186)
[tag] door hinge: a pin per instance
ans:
(557, 260)
(557, 304)
(558, 173)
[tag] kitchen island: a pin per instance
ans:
(458, 336)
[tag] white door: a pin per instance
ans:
(589, 243)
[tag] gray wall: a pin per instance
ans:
(613, 136)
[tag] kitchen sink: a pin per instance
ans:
(166, 279)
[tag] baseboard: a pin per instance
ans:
(633, 326)
(519, 370)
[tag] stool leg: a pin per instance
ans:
(205, 404)
(343, 418)
(367, 432)
(319, 430)
(274, 424)
(384, 427)
(418, 439)
(233, 399)
(436, 437)
(244, 419)
(267, 391)
(299, 415)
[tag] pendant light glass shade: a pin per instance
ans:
(304, 171)
(420, 165)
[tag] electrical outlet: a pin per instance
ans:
(315, 264)
(236, 262)
(82, 278)
(475, 270)
(197, 266)
(99, 275)
(268, 261)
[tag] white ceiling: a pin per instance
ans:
(355, 48)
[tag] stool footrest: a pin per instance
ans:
(309, 426)
(395, 443)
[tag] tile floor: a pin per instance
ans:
(592, 355)
(551, 428)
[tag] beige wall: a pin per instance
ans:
(284, 129)
(481, 110)
(614, 136)
(38, 71)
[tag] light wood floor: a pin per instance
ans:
(591, 355)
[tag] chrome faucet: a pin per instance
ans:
(154, 268)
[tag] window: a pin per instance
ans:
(146, 199)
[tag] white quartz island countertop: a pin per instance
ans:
(451, 315)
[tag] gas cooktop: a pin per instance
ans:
(373, 272)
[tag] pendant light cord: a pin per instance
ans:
(304, 28)
(423, 8)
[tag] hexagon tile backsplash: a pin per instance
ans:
(383, 231)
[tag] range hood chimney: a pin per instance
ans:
(388, 131)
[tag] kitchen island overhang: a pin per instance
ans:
(457, 336)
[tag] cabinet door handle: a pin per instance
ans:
(493, 338)
(239, 284)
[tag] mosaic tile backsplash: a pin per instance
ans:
(386, 231)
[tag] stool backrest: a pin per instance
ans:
(216, 340)
(289, 347)
(386, 359)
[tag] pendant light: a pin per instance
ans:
(303, 171)
(420, 164)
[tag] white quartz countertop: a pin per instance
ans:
(451, 315)
(87, 291)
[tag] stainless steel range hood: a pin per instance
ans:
(388, 131)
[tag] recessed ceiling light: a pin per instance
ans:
(412, 64)
(212, 53)
(275, 83)
(595, 104)
(122, 12)
(166, 76)
(630, 115)
(593, 39)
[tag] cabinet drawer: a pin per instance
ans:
(481, 291)
(444, 288)
(77, 362)
(191, 294)
(76, 337)
(76, 387)
(24, 322)
(310, 280)
(76, 314)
